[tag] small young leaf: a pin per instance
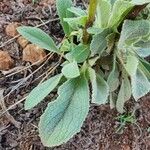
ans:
(71, 70)
(65, 47)
(77, 11)
(103, 13)
(94, 30)
(80, 53)
(41, 91)
(64, 117)
(76, 22)
(113, 79)
(145, 67)
(131, 64)
(62, 9)
(100, 89)
(119, 11)
(124, 94)
(99, 43)
(38, 37)
(140, 84)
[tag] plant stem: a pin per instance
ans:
(90, 20)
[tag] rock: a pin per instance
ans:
(11, 29)
(33, 53)
(22, 41)
(6, 62)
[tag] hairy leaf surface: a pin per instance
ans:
(64, 117)
(140, 2)
(38, 37)
(140, 84)
(124, 94)
(80, 53)
(62, 9)
(103, 13)
(131, 64)
(77, 11)
(71, 70)
(120, 9)
(76, 22)
(99, 43)
(41, 91)
(100, 88)
(133, 31)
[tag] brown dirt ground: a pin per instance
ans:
(20, 131)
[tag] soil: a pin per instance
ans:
(18, 128)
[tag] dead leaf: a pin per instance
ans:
(46, 2)
(33, 53)
(22, 41)
(6, 62)
(11, 29)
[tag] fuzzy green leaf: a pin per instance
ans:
(131, 64)
(113, 79)
(100, 89)
(133, 31)
(71, 70)
(41, 91)
(99, 43)
(120, 9)
(124, 94)
(140, 2)
(80, 53)
(38, 37)
(145, 67)
(140, 84)
(103, 13)
(62, 9)
(143, 52)
(64, 117)
(76, 22)
(77, 11)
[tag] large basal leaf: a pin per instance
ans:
(71, 70)
(140, 2)
(133, 31)
(38, 37)
(64, 117)
(41, 91)
(103, 13)
(124, 94)
(62, 9)
(140, 84)
(100, 89)
(120, 9)
(99, 43)
(80, 53)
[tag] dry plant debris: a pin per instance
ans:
(22, 42)
(11, 29)
(33, 53)
(46, 2)
(6, 62)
